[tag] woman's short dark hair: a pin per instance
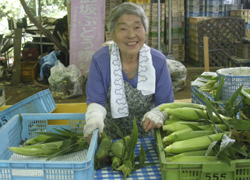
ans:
(126, 8)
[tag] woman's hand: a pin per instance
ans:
(88, 139)
(153, 119)
(148, 125)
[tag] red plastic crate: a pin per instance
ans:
(31, 54)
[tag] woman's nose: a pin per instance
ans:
(131, 33)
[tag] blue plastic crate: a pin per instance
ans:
(215, 2)
(226, 13)
(247, 25)
(41, 102)
(12, 134)
(214, 14)
(192, 14)
(233, 80)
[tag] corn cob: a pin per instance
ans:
(178, 126)
(192, 114)
(181, 105)
(194, 159)
(171, 117)
(187, 113)
(101, 157)
(188, 134)
(45, 149)
(190, 153)
(167, 122)
(38, 139)
(193, 144)
(178, 132)
(117, 149)
(48, 149)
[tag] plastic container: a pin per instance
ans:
(196, 99)
(245, 94)
(200, 170)
(234, 78)
(41, 102)
(13, 133)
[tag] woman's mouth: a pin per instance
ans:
(132, 43)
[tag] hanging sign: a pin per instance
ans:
(86, 31)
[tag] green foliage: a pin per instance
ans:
(49, 8)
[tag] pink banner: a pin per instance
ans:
(86, 31)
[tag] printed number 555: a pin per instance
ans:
(215, 176)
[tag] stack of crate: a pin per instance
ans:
(110, 4)
(194, 8)
(215, 8)
(153, 25)
(147, 8)
(230, 7)
(243, 14)
(177, 29)
(193, 41)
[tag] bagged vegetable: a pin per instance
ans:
(65, 82)
(178, 74)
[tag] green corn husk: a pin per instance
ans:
(128, 161)
(181, 105)
(102, 157)
(45, 149)
(70, 142)
(190, 153)
(171, 121)
(193, 144)
(117, 152)
(194, 159)
(188, 133)
(179, 126)
(183, 135)
(193, 114)
(38, 139)
(187, 113)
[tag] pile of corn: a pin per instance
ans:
(211, 85)
(189, 132)
(121, 154)
(52, 145)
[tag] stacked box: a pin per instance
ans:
(215, 8)
(110, 4)
(178, 51)
(177, 35)
(153, 25)
(230, 7)
(194, 8)
(248, 33)
(243, 14)
(193, 39)
(242, 50)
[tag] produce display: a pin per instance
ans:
(195, 132)
(121, 154)
(52, 145)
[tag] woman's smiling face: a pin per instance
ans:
(129, 34)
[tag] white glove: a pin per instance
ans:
(94, 119)
(155, 115)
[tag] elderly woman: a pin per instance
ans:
(127, 79)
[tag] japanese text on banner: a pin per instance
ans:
(87, 31)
